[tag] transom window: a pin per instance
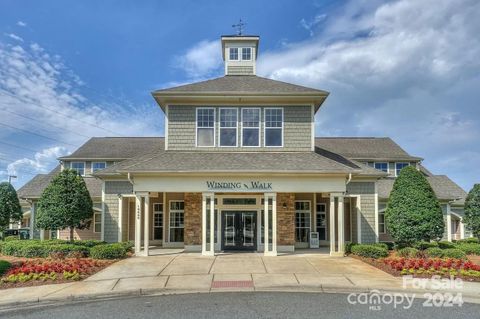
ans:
(96, 166)
(273, 127)
(250, 127)
(79, 167)
(205, 127)
(246, 53)
(302, 221)
(228, 126)
(234, 54)
(399, 166)
(382, 166)
(177, 213)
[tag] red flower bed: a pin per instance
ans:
(81, 266)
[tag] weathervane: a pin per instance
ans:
(239, 26)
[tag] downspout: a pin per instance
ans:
(349, 178)
(130, 178)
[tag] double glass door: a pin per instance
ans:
(239, 230)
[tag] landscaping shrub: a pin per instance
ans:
(382, 245)
(454, 253)
(37, 248)
(89, 243)
(469, 248)
(12, 248)
(369, 251)
(33, 250)
(408, 252)
(469, 240)
(4, 266)
(64, 250)
(108, 251)
(422, 245)
(433, 252)
(10, 238)
(128, 245)
(390, 244)
(446, 244)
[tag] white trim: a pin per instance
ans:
(84, 167)
(170, 219)
(313, 128)
(382, 211)
(164, 200)
(91, 166)
(166, 127)
(388, 166)
(332, 224)
(146, 226)
(214, 125)
(238, 53)
(265, 126)
(102, 234)
(449, 223)
(138, 223)
(220, 126)
(341, 225)
(259, 126)
(408, 164)
(240, 56)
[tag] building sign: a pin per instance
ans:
(231, 186)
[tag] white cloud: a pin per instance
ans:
(21, 24)
(405, 69)
(310, 25)
(14, 37)
(201, 60)
(36, 84)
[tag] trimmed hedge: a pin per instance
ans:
(454, 253)
(370, 251)
(4, 266)
(408, 252)
(433, 252)
(108, 251)
(445, 245)
(469, 248)
(422, 245)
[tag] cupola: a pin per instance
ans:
(240, 54)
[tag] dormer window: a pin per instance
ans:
(233, 54)
(205, 127)
(246, 54)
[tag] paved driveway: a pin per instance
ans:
(241, 271)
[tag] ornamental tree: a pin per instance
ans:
(413, 212)
(10, 210)
(65, 203)
(472, 210)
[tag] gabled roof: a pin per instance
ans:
(115, 148)
(35, 187)
(444, 188)
(365, 148)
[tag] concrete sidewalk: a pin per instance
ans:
(191, 273)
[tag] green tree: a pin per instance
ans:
(472, 210)
(413, 212)
(10, 210)
(65, 203)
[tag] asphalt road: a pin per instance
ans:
(240, 305)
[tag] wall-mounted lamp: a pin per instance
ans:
(284, 205)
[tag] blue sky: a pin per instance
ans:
(404, 69)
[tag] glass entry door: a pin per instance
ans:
(239, 230)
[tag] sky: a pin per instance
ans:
(406, 69)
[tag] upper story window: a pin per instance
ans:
(205, 127)
(382, 166)
(234, 54)
(399, 166)
(250, 127)
(96, 166)
(228, 126)
(273, 127)
(246, 53)
(79, 167)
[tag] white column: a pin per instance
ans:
(332, 224)
(138, 221)
(462, 229)
(274, 225)
(120, 219)
(212, 224)
(32, 218)
(341, 226)
(204, 224)
(146, 230)
(449, 223)
(359, 219)
(265, 225)
(42, 234)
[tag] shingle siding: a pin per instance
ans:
(296, 133)
(112, 189)
(366, 190)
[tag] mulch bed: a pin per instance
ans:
(99, 265)
(378, 263)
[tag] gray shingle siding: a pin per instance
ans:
(296, 134)
(366, 190)
(112, 189)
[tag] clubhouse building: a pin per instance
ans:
(240, 168)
